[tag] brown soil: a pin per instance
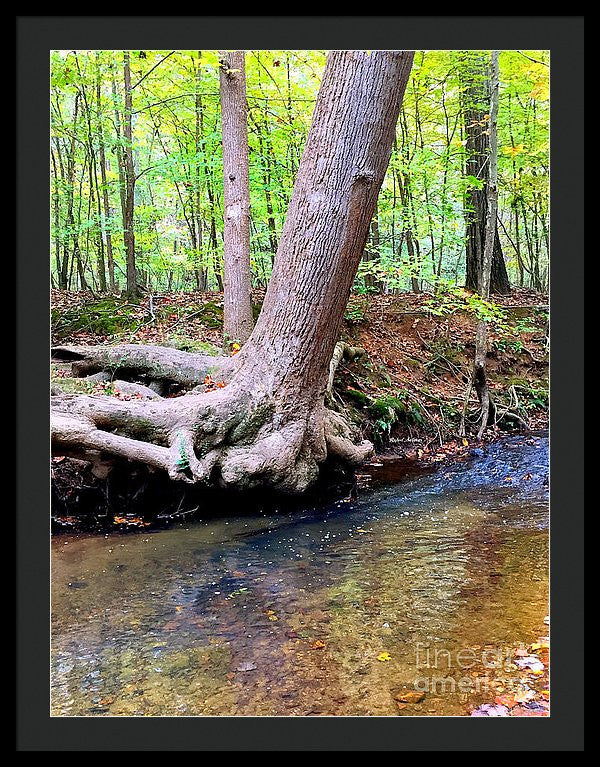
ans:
(406, 393)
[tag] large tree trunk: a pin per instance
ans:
(237, 304)
(268, 426)
(476, 100)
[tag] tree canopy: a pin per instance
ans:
(417, 236)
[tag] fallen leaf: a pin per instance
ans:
(506, 700)
(246, 666)
(487, 709)
(409, 696)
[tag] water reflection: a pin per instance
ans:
(288, 614)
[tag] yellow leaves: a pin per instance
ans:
(271, 615)
(408, 696)
(465, 442)
(510, 701)
(235, 348)
(513, 151)
(383, 656)
(540, 91)
(539, 646)
(130, 520)
(317, 645)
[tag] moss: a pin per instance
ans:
(185, 344)
(516, 381)
(386, 412)
(74, 385)
(387, 409)
(249, 426)
(210, 314)
(104, 317)
(358, 397)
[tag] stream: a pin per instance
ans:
(323, 611)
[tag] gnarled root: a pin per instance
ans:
(342, 352)
(340, 442)
(225, 438)
(141, 362)
(241, 435)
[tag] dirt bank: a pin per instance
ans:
(406, 393)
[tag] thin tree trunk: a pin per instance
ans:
(63, 278)
(73, 227)
(237, 321)
(105, 199)
(201, 270)
(94, 187)
(129, 173)
(56, 210)
(481, 338)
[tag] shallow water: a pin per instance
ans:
(288, 614)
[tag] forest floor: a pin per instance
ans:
(406, 393)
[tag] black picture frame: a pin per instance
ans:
(35, 729)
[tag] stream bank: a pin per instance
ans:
(405, 394)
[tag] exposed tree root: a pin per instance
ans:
(238, 436)
(138, 361)
(341, 352)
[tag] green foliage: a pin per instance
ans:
(504, 344)
(182, 462)
(176, 118)
(531, 397)
(450, 299)
(387, 411)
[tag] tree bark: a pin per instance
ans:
(260, 419)
(476, 99)
(105, 199)
(238, 321)
(202, 272)
(481, 338)
(129, 174)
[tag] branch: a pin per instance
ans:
(152, 69)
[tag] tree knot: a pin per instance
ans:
(363, 176)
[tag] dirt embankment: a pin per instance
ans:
(406, 393)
